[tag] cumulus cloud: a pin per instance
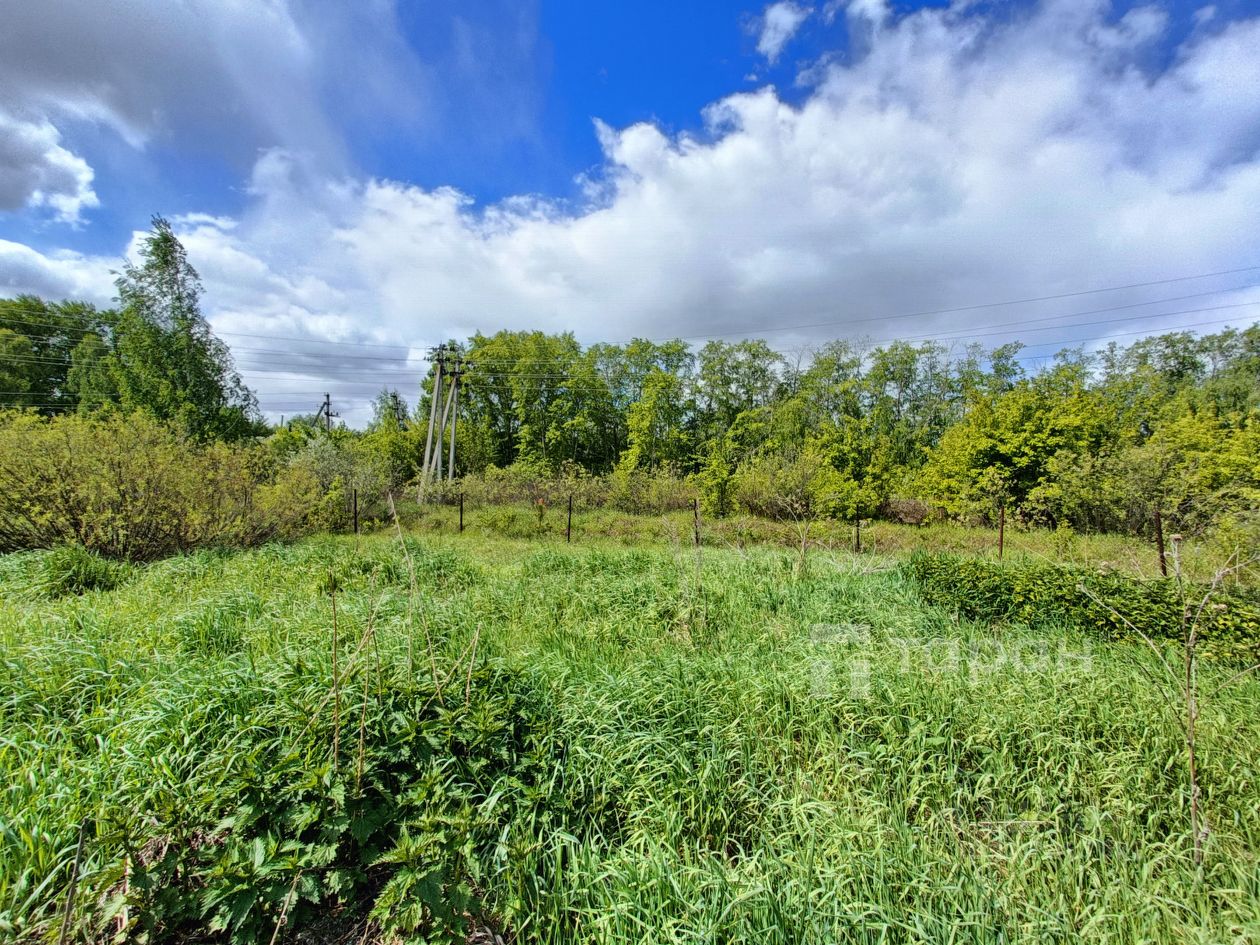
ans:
(957, 160)
(36, 171)
(56, 275)
(779, 23)
(204, 78)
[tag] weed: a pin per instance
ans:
(834, 759)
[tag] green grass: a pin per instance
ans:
(628, 745)
(1122, 553)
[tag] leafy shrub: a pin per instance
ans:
(525, 482)
(1109, 604)
(640, 492)
(402, 826)
(128, 487)
(805, 486)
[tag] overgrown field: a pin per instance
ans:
(1202, 556)
(357, 740)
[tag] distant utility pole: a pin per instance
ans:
(456, 374)
(326, 411)
(448, 368)
(438, 357)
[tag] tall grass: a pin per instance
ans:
(1112, 552)
(626, 754)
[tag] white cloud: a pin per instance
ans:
(36, 171)
(56, 275)
(875, 12)
(957, 160)
(202, 77)
(779, 24)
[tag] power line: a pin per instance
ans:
(564, 380)
(951, 335)
(975, 307)
(946, 334)
(845, 321)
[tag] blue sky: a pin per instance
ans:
(517, 119)
(400, 172)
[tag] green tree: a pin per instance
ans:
(1002, 450)
(16, 357)
(733, 378)
(39, 338)
(655, 423)
(166, 360)
(390, 444)
(90, 380)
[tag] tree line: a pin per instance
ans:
(154, 353)
(1167, 427)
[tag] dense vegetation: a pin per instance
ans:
(155, 353)
(354, 738)
(395, 737)
(1165, 432)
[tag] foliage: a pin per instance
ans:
(1115, 606)
(166, 360)
(156, 353)
(805, 486)
(130, 488)
(601, 765)
(42, 346)
(640, 492)
(1166, 430)
(72, 569)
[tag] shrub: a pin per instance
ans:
(905, 511)
(1109, 604)
(525, 482)
(799, 487)
(128, 487)
(640, 492)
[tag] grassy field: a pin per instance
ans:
(1122, 553)
(361, 739)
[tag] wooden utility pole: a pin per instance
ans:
(568, 529)
(446, 412)
(437, 355)
(448, 367)
(326, 411)
(450, 464)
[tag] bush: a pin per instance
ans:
(1109, 604)
(640, 492)
(527, 483)
(127, 487)
(801, 487)
(905, 511)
